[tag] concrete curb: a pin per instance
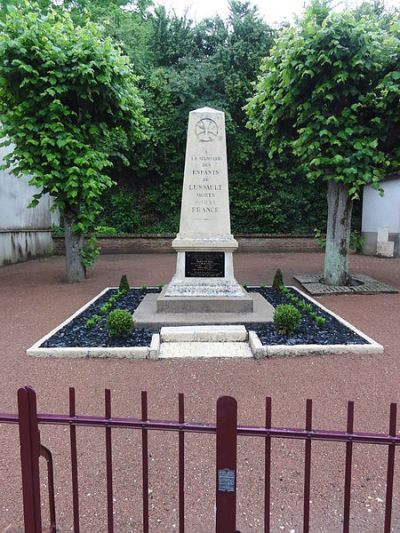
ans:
(132, 352)
(219, 333)
(269, 351)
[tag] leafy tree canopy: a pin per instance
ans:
(69, 105)
(326, 93)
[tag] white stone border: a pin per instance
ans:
(261, 351)
(131, 352)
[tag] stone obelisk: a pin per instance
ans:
(204, 289)
(204, 244)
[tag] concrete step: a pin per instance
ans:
(218, 333)
(203, 350)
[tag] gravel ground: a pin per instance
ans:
(34, 299)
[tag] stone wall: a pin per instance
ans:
(162, 244)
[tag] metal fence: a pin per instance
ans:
(226, 431)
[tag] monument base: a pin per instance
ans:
(204, 297)
(148, 316)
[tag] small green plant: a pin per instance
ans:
(277, 282)
(160, 287)
(143, 288)
(123, 285)
(320, 321)
(90, 251)
(92, 321)
(105, 308)
(357, 241)
(285, 290)
(308, 308)
(319, 238)
(245, 286)
(119, 323)
(57, 231)
(263, 286)
(286, 319)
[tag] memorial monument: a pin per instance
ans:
(204, 289)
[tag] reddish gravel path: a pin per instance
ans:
(34, 299)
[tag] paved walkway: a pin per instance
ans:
(34, 299)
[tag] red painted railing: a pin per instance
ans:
(226, 431)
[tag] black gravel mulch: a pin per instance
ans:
(333, 332)
(76, 333)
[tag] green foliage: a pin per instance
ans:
(320, 321)
(93, 321)
(105, 308)
(90, 251)
(69, 102)
(319, 238)
(123, 284)
(120, 211)
(286, 319)
(357, 241)
(119, 323)
(277, 282)
(57, 231)
(320, 96)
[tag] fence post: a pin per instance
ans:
(226, 465)
(30, 451)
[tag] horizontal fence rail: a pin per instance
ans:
(226, 431)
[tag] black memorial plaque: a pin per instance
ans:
(204, 264)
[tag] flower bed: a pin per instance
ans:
(76, 333)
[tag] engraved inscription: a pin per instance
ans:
(204, 264)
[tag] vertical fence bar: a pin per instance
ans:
(46, 453)
(267, 467)
(110, 502)
(30, 452)
(307, 469)
(74, 462)
(145, 466)
(226, 465)
(390, 469)
(181, 401)
(347, 477)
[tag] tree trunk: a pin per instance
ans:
(340, 205)
(73, 246)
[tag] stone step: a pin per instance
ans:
(203, 350)
(220, 333)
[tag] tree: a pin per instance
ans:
(70, 107)
(323, 96)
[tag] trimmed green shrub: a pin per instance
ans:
(123, 284)
(119, 323)
(105, 308)
(320, 321)
(286, 319)
(92, 321)
(277, 283)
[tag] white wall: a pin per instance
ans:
(24, 232)
(382, 211)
